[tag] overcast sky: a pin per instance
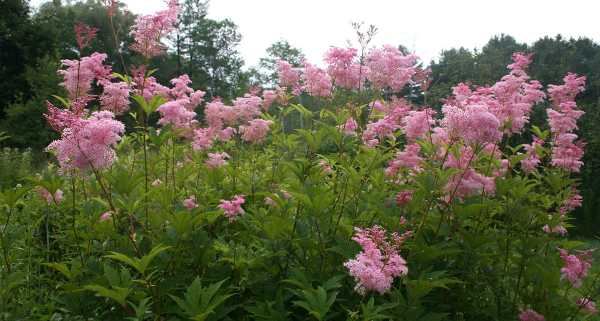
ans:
(424, 26)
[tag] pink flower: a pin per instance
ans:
(50, 198)
(87, 143)
(470, 183)
(566, 153)
(316, 81)
(256, 130)
(84, 34)
(216, 160)
(532, 160)
(149, 29)
(349, 127)
(404, 197)
(325, 166)
(388, 67)
(106, 216)
(79, 74)
(576, 266)
(202, 139)
(588, 305)
(247, 107)
(512, 98)
(288, 76)
(565, 120)
(343, 69)
(572, 86)
(115, 97)
(558, 229)
(573, 202)
(59, 119)
(175, 113)
(233, 208)
(285, 194)
(473, 123)
(379, 130)
(418, 123)
(180, 87)
(376, 266)
(190, 203)
(531, 315)
(212, 113)
(268, 96)
(408, 158)
(270, 202)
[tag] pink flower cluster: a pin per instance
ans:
(514, 95)
(531, 160)
(216, 160)
(408, 159)
(344, 71)
(566, 150)
(379, 262)
(149, 29)
(384, 67)
(179, 111)
(218, 115)
(317, 82)
(569, 204)
(174, 113)
(256, 130)
(388, 67)
(404, 197)
(587, 305)
(349, 127)
(50, 198)
(88, 143)
(531, 315)
(233, 208)
(473, 123)
(115, 97)
(468, 181)
(394, 113)
(106, 216)
(417, 123)
(190, 203)
(146, 86)
(79, 74)
(288, 75)
(576, 266)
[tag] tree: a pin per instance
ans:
(206, 50)
(22, 42)
(266, 71)
(58, 21)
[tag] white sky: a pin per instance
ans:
(424, 26)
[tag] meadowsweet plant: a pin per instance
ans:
(332, 196)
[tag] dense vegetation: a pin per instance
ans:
(179, 187)
(206, 50)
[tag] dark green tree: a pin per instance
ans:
(206, 50)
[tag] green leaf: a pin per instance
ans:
(141, 265)
(63, 101)
(118, 294)
(62, 268)
(200, 302)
